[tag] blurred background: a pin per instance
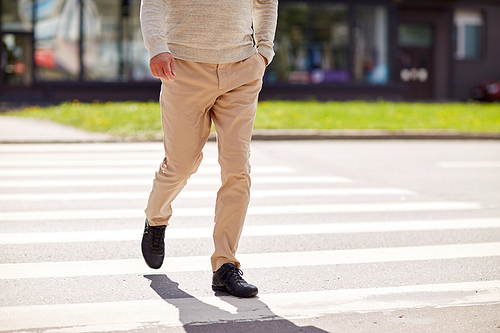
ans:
(57, 50)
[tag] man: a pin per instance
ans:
(210, 56)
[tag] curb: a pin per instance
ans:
(297, 135)
(371, 135)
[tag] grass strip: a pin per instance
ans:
(475, 117)
(142, 120)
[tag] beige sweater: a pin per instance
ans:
(210, 31)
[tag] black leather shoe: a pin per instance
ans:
(228, 278)
(153, 245)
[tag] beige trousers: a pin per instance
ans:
(202, 93)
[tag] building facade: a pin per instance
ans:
(54, 50)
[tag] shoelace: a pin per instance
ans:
(237, 274)
(156, 238)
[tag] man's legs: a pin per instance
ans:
(186, 120)
(233, 116)
(226, 94)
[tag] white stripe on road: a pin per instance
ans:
(89, 196)
(26, 162)
(205, 194)
(469, 164)
(252, 210)
(94, 160)
(29, 162)
(73, 159)
(35, 183)
(135, 148)
(163, 313)
(252, 231)
(258, 260)
(122, 170)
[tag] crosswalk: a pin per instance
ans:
(71, 218)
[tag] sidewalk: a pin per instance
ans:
(28, 130)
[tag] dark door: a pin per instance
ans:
(415, 60)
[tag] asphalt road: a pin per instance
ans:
(341, 236)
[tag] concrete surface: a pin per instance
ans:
(25, 130)
(399, 259)
(28, 130)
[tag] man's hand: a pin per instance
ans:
(265, 59)
(163, 66)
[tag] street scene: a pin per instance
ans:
(349, 180)
(340, 236)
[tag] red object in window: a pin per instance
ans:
(19, 68)
(45, 58)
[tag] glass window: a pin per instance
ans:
(469, 26)
(290, 63)
(311, 44)
(17, 15)
(370, 37)
(113, 46)
(329, 47)
(57, 37)
(16, 58)
(415, 35)
(103, 52)
(139, 56)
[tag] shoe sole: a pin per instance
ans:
(151, 265)
(224, 289)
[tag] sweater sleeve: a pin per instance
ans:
(153, 25)
(265, 17)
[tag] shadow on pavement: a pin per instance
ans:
(242, 315)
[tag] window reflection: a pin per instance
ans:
(469, 27)
(101, 42)
(114, 49)
(16, 15)
(316, 42)
(370, 36)
(311, 44)
(139, 56)
(290, 63)
(330, 44)
(15, 59)
(57, 35)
